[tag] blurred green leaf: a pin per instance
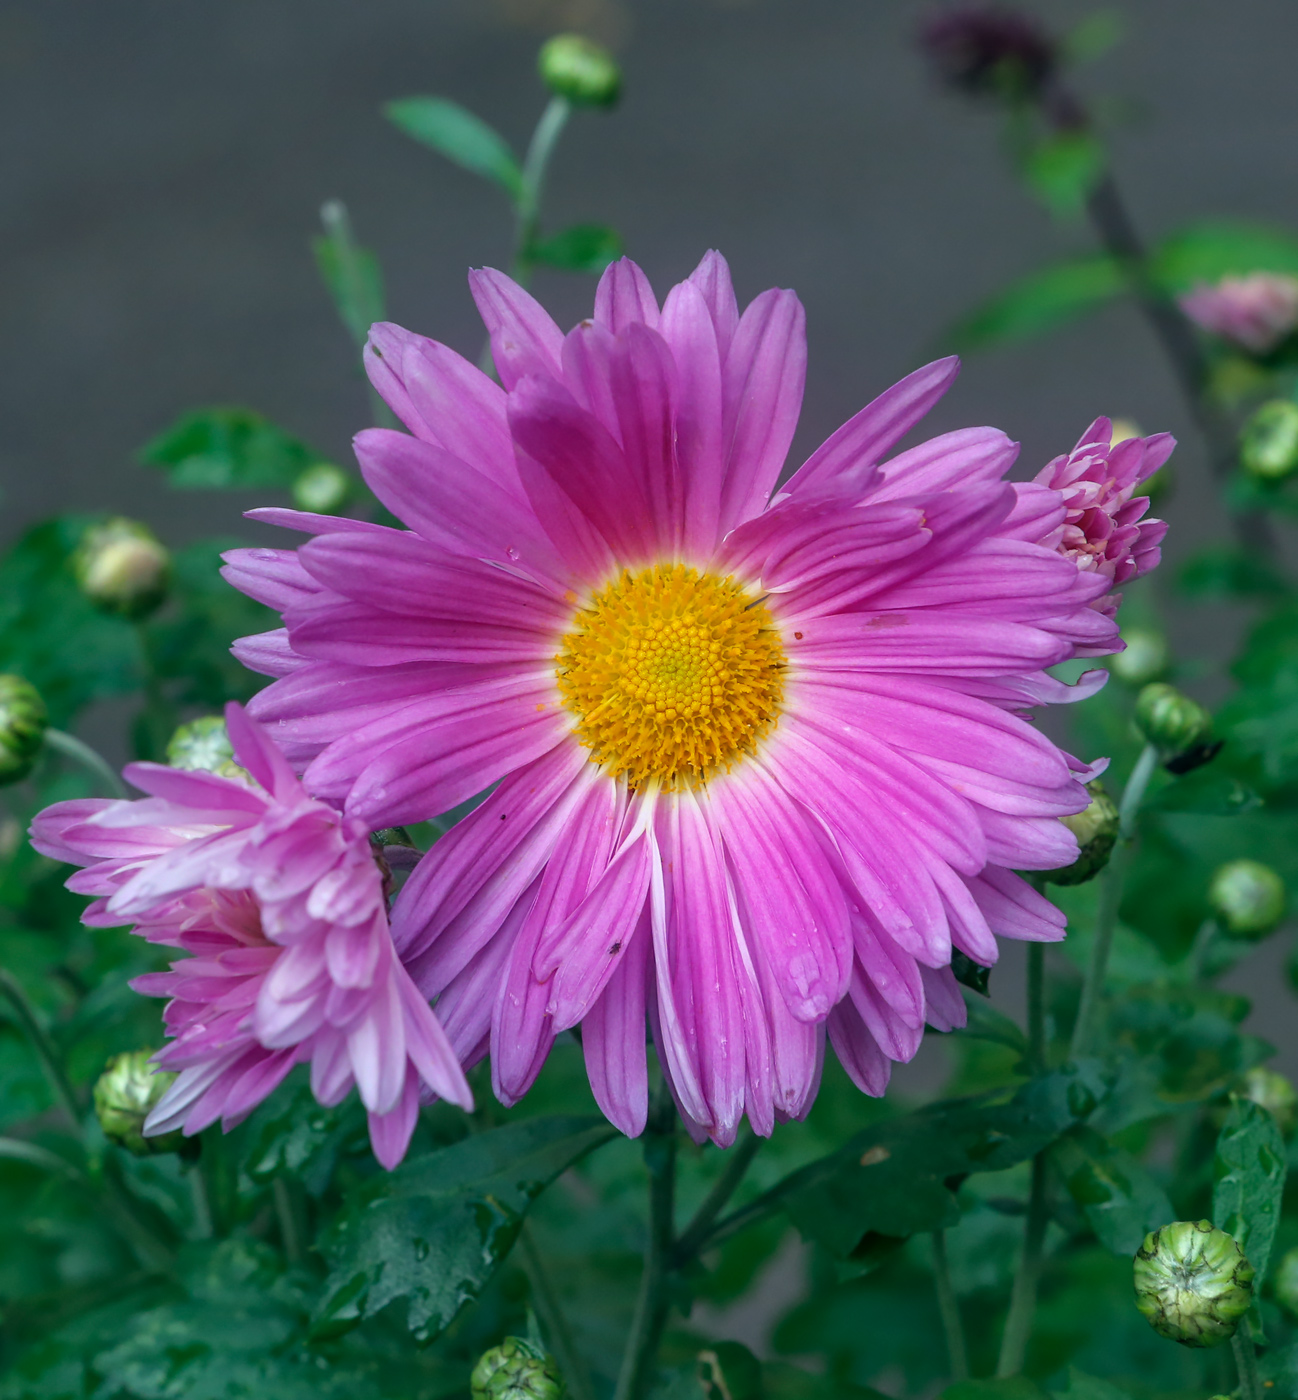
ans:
(228, 449)
(1118, 1197)
(350, 272)
(1064, 168)
(582, 248)
(999, 1388)
(1040, 302)
(1223, 572)
(1094, 36)
(434, 1231)
(1084, 1387)
(1248, 1181)
(1209, 251)
(295, 1136)
(1206, 791)
(985, 1022)
(456, 133)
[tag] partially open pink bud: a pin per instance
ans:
(1256, 311)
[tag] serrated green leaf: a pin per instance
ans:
(1209, 251)
(1040, 302)
(1248, 1172)
(1063, 169)
(434, 1231)
(460, 136)
(1122, 1203)
(582, 248)
(228, 449)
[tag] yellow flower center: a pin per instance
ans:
(672, 674)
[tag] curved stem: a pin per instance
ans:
(46, 1051)
(1250, 1383)
(949, 1307)
(535, 164)
(1023, 1299)
(695, 1235)
(641, 1354)
(72, 747)
(1106, 918)
(558, 1334)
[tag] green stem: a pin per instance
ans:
(650, 1316)
(553, 1319)
(949, 1307)
(1036, 1008)
(1106, 919)
(695, 1234)
(535, 164)
(290, 1227)
(71, 747)
(1023, 1299)
(46, 1051)
(201, 1203)
(1250, 1383)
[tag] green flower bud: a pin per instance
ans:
(1268, 446)
(123, 568)
(516, 1370)
(1096, 830)
(1193, 1283)
(322, 489)
(1178, 727)
(1286, 1282)
(203, 746)
(125, 1094)
(23, 721)
(1145, 659)
(1275, 1093)
(1247, 897)
(581, 70)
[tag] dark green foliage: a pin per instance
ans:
(460, 136)
(228, 449)
(1248, 1181)
(582, 248)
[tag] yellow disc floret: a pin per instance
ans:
(672, 675)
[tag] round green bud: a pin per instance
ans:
(123, 568)
(1268, 446)
(1144, 660)
(203, 746)
(23, 721)
(581, 70)
(1178, 727)
(1272, 1091)
(1193, 1283)
(1285, 1282)
(515, 1370)
(1247, 897)
(1096, 830)
(125, 1094)
(322, 489)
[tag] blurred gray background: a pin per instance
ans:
(164, 162)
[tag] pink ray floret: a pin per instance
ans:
(279, 901)
(812, 888)
(1104, 530)
(1256, 310)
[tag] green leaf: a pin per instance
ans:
(1084, 1387)
(1206, 791)
(1001, 1388)
(1209, 251)
(295, 1136)
(986, 1023)
(1040, 302)
(49, 633)
(433, 1231)
(227, 449)
(456, 133)
(1224, 572)
(582, 248)
(1063, 169)
(1122, 1203)
(350, 272)
(1248, 1181)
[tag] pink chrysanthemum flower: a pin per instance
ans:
(279, 901)
(1103, 529)
(1256, 311)
(760, 759)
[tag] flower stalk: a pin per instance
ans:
(1250, 1382)
(558, 1333)
(1023, 1298)
(948, 1306)
(72, 747)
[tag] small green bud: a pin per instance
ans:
(123, 568)
(1247, 897)
(1268, 446)
(1144, 660)
(203, 746)
(1193, 1283)
(1273, 1092)
(125, 1094)
(23, 721)
(1178, 727)
(1096, 830)
(581, 70)
(515, 1370)
(322, 489)
(1286, 1282)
